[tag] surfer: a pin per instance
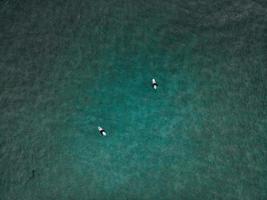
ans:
(154, 84)
(102, 131)
(33, 173)
(31, 177)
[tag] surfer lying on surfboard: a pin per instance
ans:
(154, 84)
(102, 131)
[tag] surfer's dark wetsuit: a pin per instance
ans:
(32, 177)
(33, 173)
(154, 84)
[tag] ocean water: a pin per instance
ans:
(69, 66)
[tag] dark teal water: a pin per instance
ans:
(69, 66)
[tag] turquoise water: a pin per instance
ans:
(67, 67)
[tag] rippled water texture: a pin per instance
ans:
(69, 66)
